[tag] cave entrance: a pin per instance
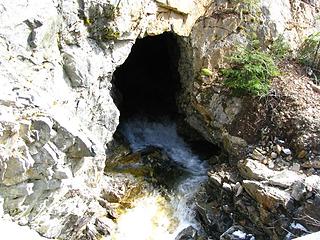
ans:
(147, 85)
(148, 81)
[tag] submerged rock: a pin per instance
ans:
(152, 164)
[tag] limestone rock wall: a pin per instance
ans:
(57, 58)
(56, 111)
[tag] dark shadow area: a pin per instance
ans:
(146, 86)
(148, 81)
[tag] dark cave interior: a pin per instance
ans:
(146, 85)
(148, 81)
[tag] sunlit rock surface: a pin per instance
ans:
(56, 111)
(14, 231)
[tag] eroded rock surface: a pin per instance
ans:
(57, 114)
(56, 109)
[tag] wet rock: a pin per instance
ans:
(121, 189)
(309, 213)
(238, 189)
(212, 218)
(215, 178)
(289, 158)
(265, 161)
(151, 163)
(297, 229)
(189, 233)
(302, 154)
(227, 187)
(118, 148)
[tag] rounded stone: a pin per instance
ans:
(274, 155)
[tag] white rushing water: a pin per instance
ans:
(155, 217)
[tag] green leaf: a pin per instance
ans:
(206, 72)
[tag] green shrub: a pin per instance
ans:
(309, 53)
(250, 71)
(280, 49)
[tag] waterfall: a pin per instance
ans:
(153, 216)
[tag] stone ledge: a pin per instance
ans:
(183, 8)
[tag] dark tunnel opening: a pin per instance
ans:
(147, 84)
(148, 81)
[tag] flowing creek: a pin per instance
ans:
(157, 215)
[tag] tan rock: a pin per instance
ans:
(302, 154)
(269, 197)
(252, 169)
(257, 155)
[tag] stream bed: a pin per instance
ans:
(162, 214)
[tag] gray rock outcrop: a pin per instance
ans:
(57, 114)
(56, 111)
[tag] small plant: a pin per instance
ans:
(110, 34)
(280, 49)
(250, 71)
(206, 72)
(250, 7)
(87, 21)
(99, 21)
(309, 53)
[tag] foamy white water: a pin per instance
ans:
(142, 133)
(153, 217)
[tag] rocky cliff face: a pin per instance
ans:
(210, 108)
(56, 110)
(57, 113)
